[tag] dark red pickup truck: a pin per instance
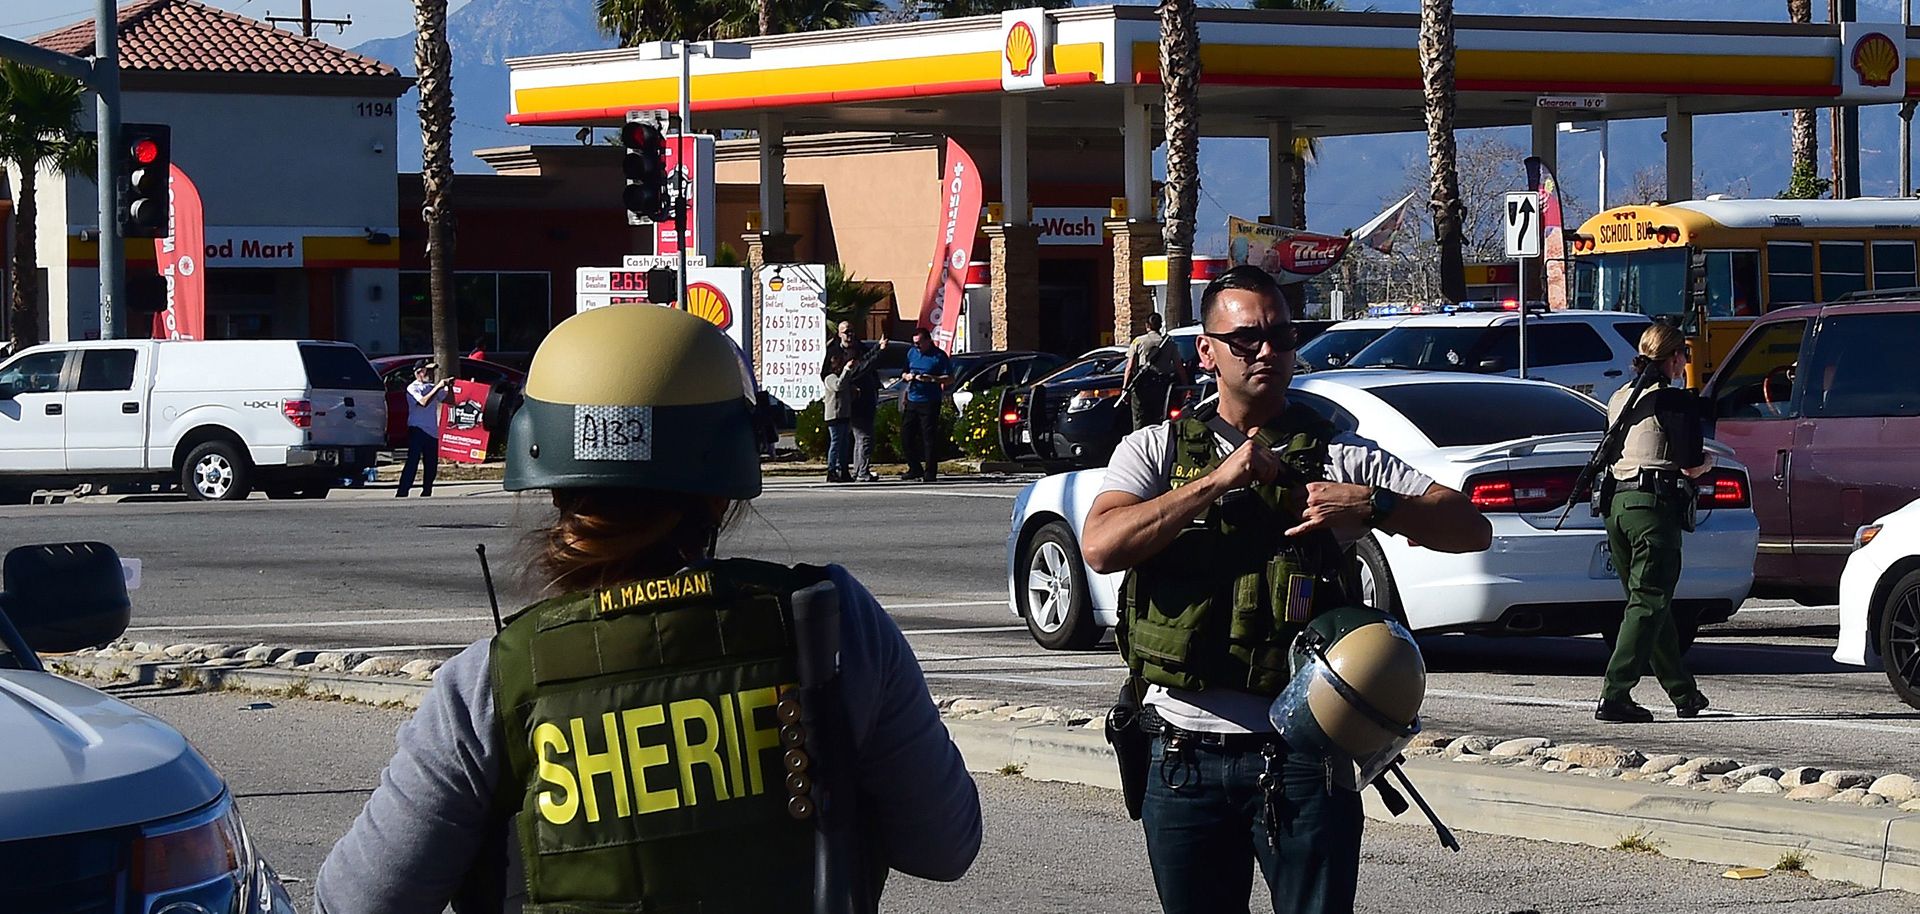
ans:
(1822, 404)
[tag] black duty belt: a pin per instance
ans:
(1152, 722)
(1649, 481)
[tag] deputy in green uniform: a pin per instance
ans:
(652, 736)
(1229, 523)
(1650, 506)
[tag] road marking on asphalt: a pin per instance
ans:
(338, 623)
(1026, 680)
(963, 631)
(1715, 715)
(1018, 659)
(954, 604)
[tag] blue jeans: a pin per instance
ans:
(839, 445)
(420, 445)
(1206, 826)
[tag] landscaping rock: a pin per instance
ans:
(1477, 745)
(338, 661)
(178, 651)
(1801, 776)
(223, 651)
(1474, 759)
(1095, 724)
(1813, 791)
(1874, 799)
(1039, 714)
(378, 666)
(1910, 806)
(291, 659)
(1898, 788)
(1762, 784)
(966, 705)
(1604, 757)
(1603, 772)
(421, 669)
(1742, 775)
(1847, 780)
(260, 653)
(1706, 766)
(1423, 751)
(1557, 765)
(1514, 748)
(1719, 784)
(1534, 761)
(1662, 763)
(1849, 795)
(1658, 777)
(1428, 741)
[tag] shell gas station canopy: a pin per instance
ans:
(1093, 74)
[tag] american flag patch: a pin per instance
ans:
(1299, 598)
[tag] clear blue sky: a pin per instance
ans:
(371, 18)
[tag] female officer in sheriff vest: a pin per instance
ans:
(624, 744)
(1226, 522)
(1652, 499)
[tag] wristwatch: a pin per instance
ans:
(1382, 502)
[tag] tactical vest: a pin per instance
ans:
(645, 746)
(1220, 606)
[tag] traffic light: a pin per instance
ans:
(146, 152)
(645, 165)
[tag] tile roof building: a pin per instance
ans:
(187, 36)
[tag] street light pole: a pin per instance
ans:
(680, 163)
(113, 248)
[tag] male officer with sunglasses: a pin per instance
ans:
(1230, 524)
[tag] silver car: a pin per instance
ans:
(103, 807)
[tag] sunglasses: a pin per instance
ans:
(1245, 343)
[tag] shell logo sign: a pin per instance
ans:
(1873, 62)
(1022, 49)
(1875, 58)
(1026, 37)
(710, 304)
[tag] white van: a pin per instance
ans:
(216, 418)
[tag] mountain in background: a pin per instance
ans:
(1742, 155)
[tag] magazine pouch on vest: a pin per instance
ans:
(1220, 606)
(651, 765)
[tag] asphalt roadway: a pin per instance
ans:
(365, 571)
(301, 770)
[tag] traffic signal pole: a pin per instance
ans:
(113, 248)
(680, 165)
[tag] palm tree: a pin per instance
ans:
(433, 64)
(1805, 182)
(39, 130)
(1180, 83)
(845, 297)
(1436, 77)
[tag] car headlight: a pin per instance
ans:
(1865, 535)
(205, 864)
(1088, 399)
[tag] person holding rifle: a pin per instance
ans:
(665, 730)
(928, 372)
(1653, 453)
(1153, 367)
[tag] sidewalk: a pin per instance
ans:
(1474, 792)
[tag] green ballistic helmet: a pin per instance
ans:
(636, 396)
(1358, 682)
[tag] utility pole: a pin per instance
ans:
(306, 20)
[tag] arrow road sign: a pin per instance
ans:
(1523, 224)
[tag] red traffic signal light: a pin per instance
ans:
(145, 150)
(645, 166)
(146, 165)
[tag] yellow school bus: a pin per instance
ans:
(1717, 264)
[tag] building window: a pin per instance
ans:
(494, 311)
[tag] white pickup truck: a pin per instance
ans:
(218, 418)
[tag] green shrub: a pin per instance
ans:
(810, 431)
(886, 433)
(977, 430)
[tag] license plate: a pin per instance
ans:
(1026, 436)
(1602, 566)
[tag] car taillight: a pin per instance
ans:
(186, 857)
(1174, 414)
(1010, 417)
(1724, 489)
(1521, 490)
(298, 412)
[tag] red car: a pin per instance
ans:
(396, 372)
(1822, 402)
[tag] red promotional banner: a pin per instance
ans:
(178, 257)
(960, 212)
(1553, 250)
(463, 434)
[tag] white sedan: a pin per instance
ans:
(1880, 601)
(1514, 447)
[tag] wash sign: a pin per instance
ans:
(1071, 225)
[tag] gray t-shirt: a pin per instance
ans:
(1143, 465)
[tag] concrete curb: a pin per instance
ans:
(272, 680)
(1868, 847)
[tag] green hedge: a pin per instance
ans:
(810, 432)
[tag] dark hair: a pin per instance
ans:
(601, 536)
(919, 332)
(1245, 278)
(1154, 321)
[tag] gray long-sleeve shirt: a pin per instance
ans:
(429, 829)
